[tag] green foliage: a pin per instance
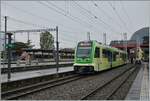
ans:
(46, 40)
(20, 45)
(29, 44)
(17, 46)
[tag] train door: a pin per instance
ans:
(105, 59)
(97, 58)
(110, 58)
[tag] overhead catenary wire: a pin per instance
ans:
(86, 24)
(68, 13)
(84, 13)
(106, 14)
(65, 11)
(97, 6)
(118, 21)
(34, 25)
(114, 9)
(26, 23)
(74, 19)
(87, 16)
(57, 7)
(35, 15)
(97, 18)
(124, 10)
(31, 24)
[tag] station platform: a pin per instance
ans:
(33, 64)
(140, 87)
(34, 73)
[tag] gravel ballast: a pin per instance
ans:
(104, 92)
(124, 89)
(76, 89)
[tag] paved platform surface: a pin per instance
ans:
(33, 64)
(35, 73)
(140, 88)
(144, 95)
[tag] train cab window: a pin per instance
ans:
(97, 52)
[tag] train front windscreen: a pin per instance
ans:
(84, 49)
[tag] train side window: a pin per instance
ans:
(115, 56)
(123, 56)
(97, 52)
(118, 56)
(109, 56)
(106, 53)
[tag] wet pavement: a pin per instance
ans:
(35, 73)
(140, 87)
(33, 64)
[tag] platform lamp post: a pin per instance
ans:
(57, 50)
(104, 38)
(88, 36)
(9, 45)
(5, 54)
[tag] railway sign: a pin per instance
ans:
(9, 45)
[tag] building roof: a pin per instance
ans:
(138, 35)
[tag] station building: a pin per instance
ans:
(140, 39)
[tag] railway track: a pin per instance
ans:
(29, 90)
(16, 93)
(90, 95)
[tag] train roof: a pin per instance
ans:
(105, 46)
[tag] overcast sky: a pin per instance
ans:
(75, 19)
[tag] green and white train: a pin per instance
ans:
(91, 56)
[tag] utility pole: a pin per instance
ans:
(88, 36)
(104, 38)
(5, 57)
(57, 50)
(28, 37)
(137, 44)
(125, 43)
(14, 38)
(9, 55)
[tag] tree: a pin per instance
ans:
(29, 44)
(17, 47)
(20, 45)
(46, 40)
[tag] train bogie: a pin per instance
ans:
(84, 69)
